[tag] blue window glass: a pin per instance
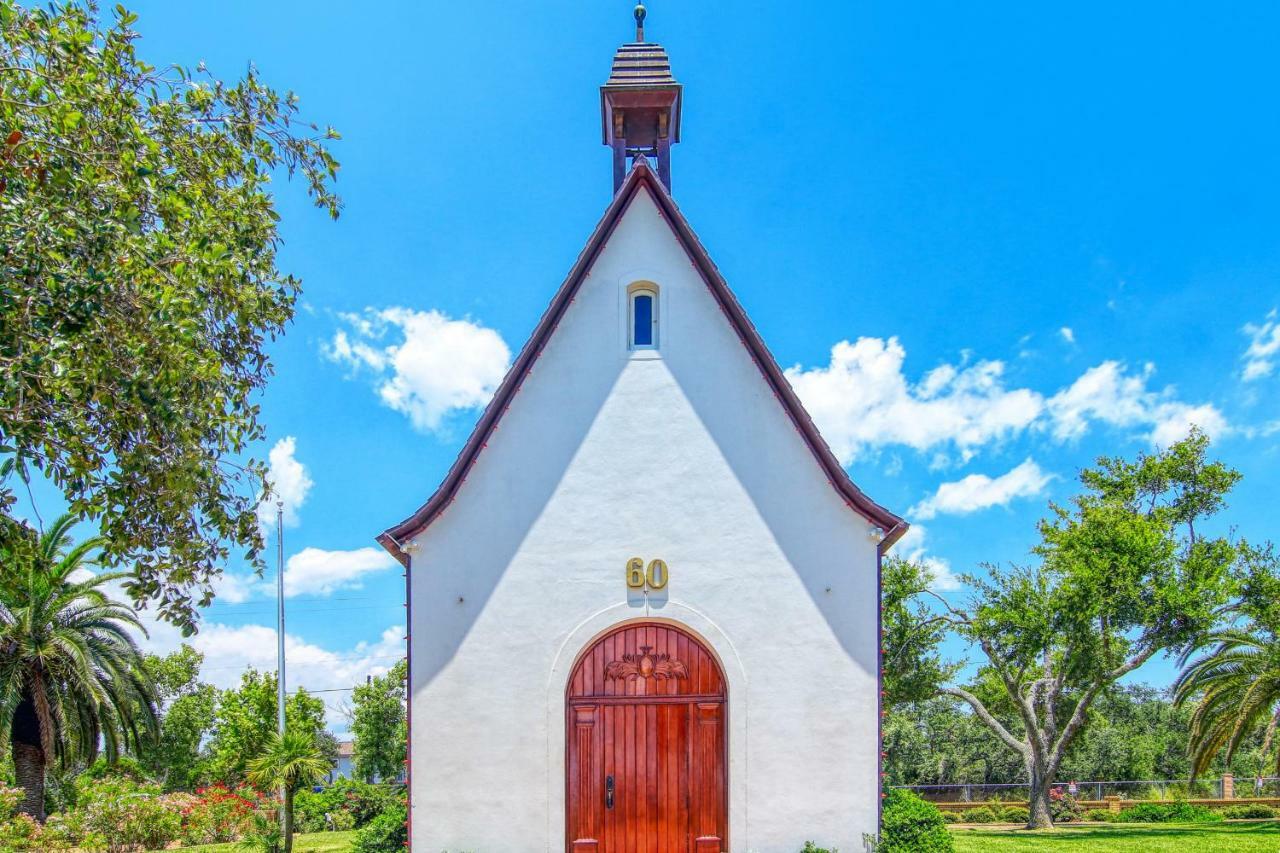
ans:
(642, 314)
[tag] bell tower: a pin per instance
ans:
(640, 105)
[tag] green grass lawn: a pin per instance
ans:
(1127, 838)
(318, 842)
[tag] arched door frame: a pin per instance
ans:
(714, 639)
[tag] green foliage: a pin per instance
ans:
(1124, 574)
(379, 724)
(1177, 812)
(1253, 811)
(387, 833)
(950, 817)
(128, 814)
(288, 762)
(1234, 684)
(1015, 814)
(810, 847)
(910, 825)
(980, 814)
(139, 288)
(71, 675)
(1101, 816)
(913, 668)
(245, 720)
(360, 800)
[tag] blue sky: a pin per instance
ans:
(1031, 234)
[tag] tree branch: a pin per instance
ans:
(985, 715)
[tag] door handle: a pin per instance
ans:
(608, 792)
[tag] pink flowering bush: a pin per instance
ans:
(9, 799)
(129, 815)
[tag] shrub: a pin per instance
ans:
(1252, 811)
(951, 817)
(216, 815)
(128, 814)
(1015, 814)
(20, 833)
(1064, 807)
(911, 825)
(386, 833)
(362, 801)
(1169, 813)
(810, 847)
(1100, 815)
(9, 799)
(982, 814)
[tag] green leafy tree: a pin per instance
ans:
(71, 677)
(176, 758)
(1234, 684)
(913, 667)
(245, 719)
(378, 723)
(288, 763)
(1124, 574)
(139, 288)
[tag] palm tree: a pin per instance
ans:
(288, 763)
(1236, 685)
(71, 676)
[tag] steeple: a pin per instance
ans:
(640, 105)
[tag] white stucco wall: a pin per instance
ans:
(603, 455)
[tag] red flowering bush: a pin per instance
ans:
(217, 814)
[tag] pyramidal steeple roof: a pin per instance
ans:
(642, 178)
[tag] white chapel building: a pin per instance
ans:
(644, 603)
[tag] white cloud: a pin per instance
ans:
(862, 401)
(313, 571)
(230, 588)
(1109, 394)
(978, 491)
(289, 483)
(1264, 346)
(912, 547)
(1068, 334)
(229, 650)
(435, 365)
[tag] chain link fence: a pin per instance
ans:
(1139, 789)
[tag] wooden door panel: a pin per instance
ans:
(646, 709)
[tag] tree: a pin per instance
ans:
(175, 759)
(245, 719)
(913, 668)
(287, 764)
(139, 287)
(378, 723)
(71, 676)
(1123, 575)
(1235, 683)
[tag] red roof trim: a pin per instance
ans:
(642, 176)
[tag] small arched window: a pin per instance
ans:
(644, 315)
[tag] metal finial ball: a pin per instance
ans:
(640, 13)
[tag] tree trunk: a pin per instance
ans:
(287, 840)
(1040, 815)
(28, 770)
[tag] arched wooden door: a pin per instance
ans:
(646, 744)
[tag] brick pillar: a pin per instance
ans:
(1113, 803)
(1228, 786)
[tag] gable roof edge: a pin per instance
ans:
(394, 538)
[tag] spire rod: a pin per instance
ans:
(640, 12)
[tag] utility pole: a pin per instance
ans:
(280, 691)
